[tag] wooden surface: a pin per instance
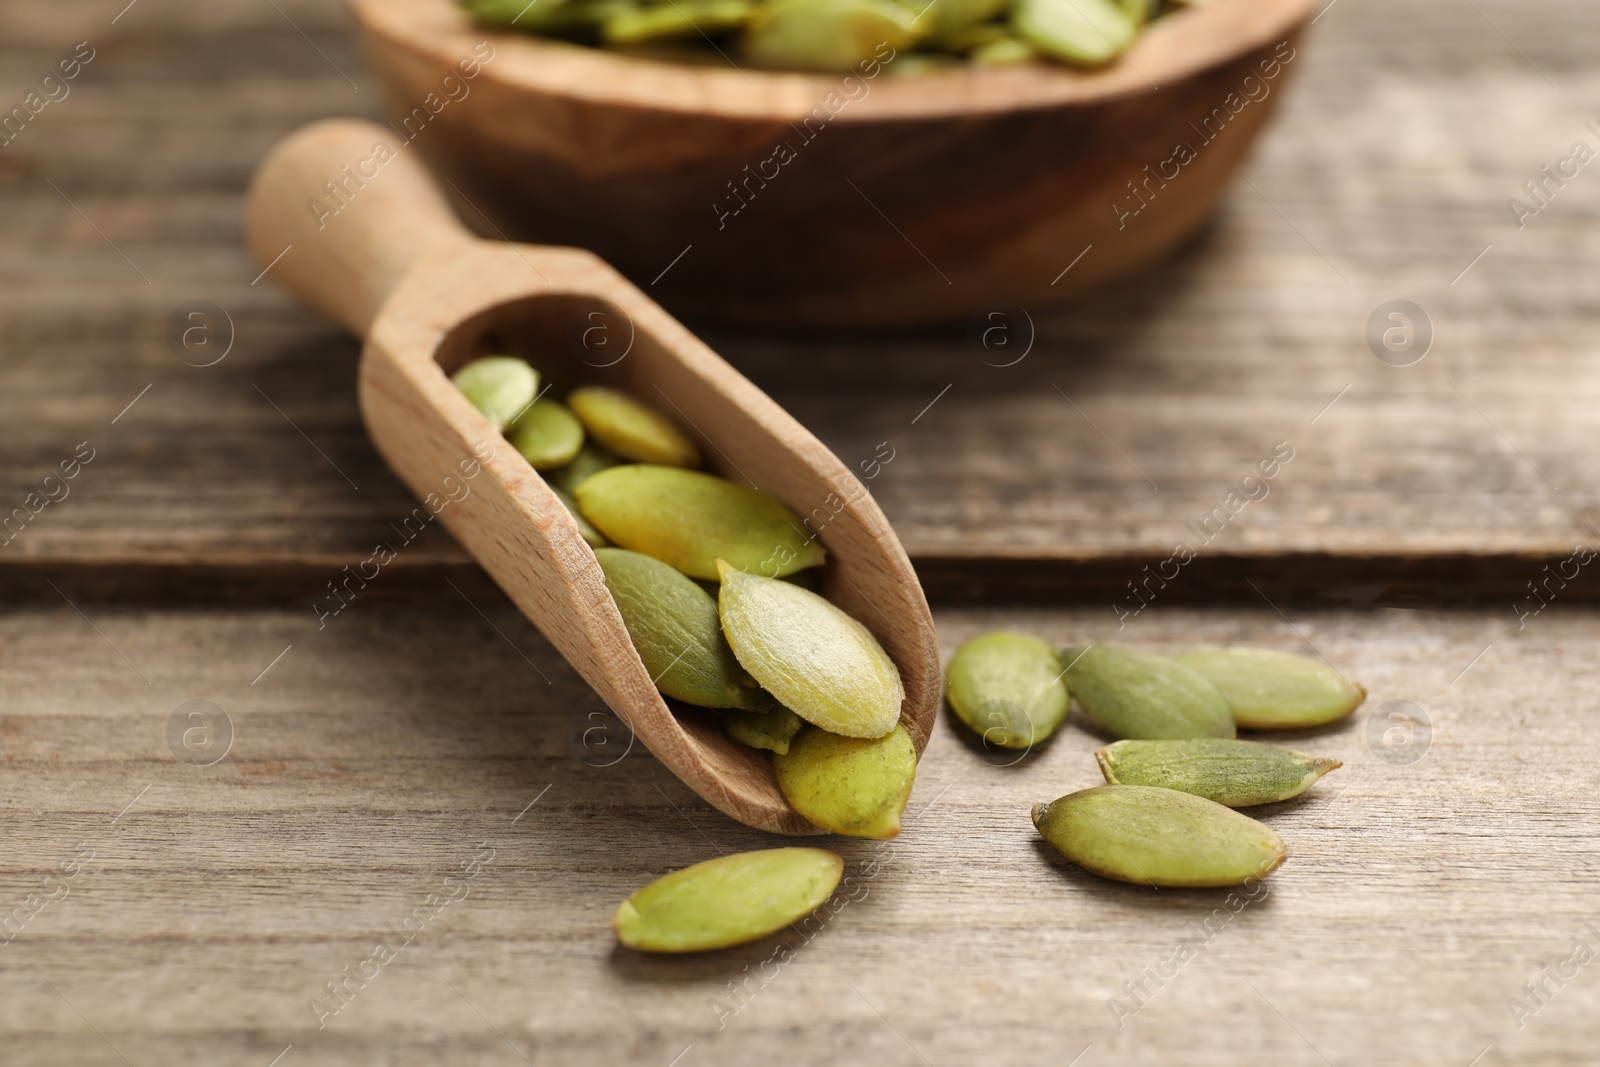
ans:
(1394, 154)
(372, 757)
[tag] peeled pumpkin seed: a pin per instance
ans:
(500, 387)
(690, 520)
(631, 429)
(675, 628)
(1008, 688)
(827, 34)
(942, 17)
(1137, 695)
(591, 459)
(680, 18)
(1089, 32)
(771, 730)
(547, 435)
(1151, 836)
(817, 661)
(594, 538)
(1275, 690)
(727, 901)
(849, 785)
(966, 38)
(1003, 52)
(1238, 774)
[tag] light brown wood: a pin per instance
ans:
(810, 200)
(376, 756)
(393, 264)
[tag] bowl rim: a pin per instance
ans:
(1176, 46)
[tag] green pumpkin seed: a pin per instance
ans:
(1007, 687)
(1239, 774)
(675, 628)
(817, 661)
(771, 730)
(966, 38)
(1005, 52)
(1137, 695)
(680, 18)
(1274, 690)
(728, 901)
(846, 784)
(690, 520)
(1086, 32)
(594, 538)
(1151, 836)
(501, 387)
(547, 435)
(591, 459)
(828, 34)
(944, 17)
(631, 429)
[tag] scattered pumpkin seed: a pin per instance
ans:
(594, 538)
(591, 459)
(547, 435)
(1151, 836)
(771, 730)
(1088, 32)
(1238, 774)
(849, 785)
(817, 661)
(501, 387)
(690, 520)
(632, 429)
(1270, 690)
(728, 900)
(675, 628)
(827, 34)
(1138, 695)
(1008, 687)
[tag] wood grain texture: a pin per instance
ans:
(373, 757)
(1394, 155)
(391, 261)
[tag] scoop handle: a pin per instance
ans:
(339, 211)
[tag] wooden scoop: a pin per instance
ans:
(352, 224)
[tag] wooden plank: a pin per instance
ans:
(374, 756)
(1131, 418)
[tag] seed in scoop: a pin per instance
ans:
(691, 520)
(1007, 687)
(500, 387)
(727, 901)
(680, 18)
(1276, 691)
(675, 628)
(772, 730)
(817, 661)
(1239, 774)
(1135, 694)
(591, 459)
(631, 429)
(1150, 836)
(847, 784)
(546, 434)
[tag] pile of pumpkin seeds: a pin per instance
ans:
(1177, 769)
(902, 36)
(707, 575)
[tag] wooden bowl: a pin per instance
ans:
(831, 200)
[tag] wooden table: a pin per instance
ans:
(167, 913)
